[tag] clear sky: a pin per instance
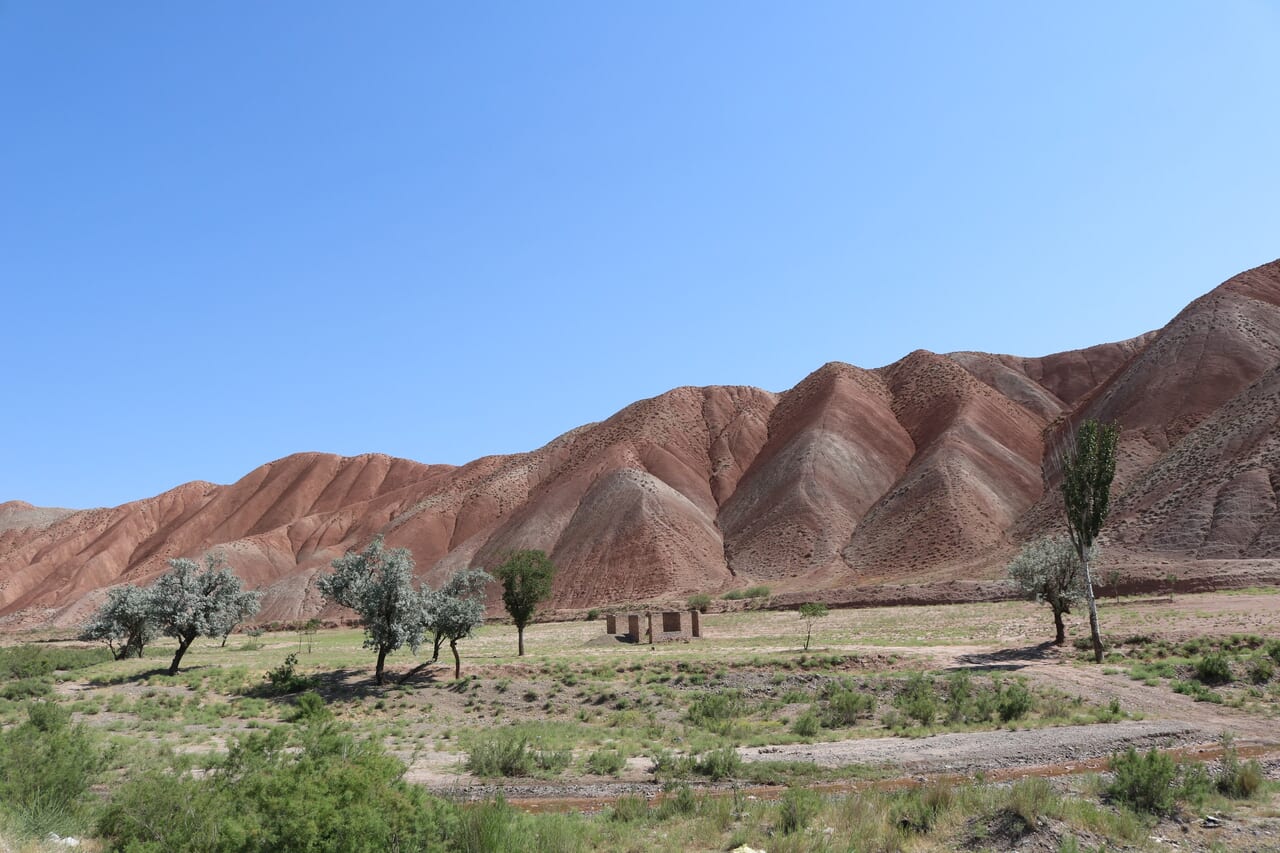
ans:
(234, 231)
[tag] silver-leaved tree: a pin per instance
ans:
(189, 602)
(1049, 570)
(377, 583)
(125, 621)
(454, 610)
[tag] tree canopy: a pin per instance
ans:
(526, 580)
(377, 583)
(1088, 467)
(1049, 570)
(125, 621)
(189, 602)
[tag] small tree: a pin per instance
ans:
(1049, 570)
(245, 605)
(526, 580)
(189, 602)
(1088, 467)
(125, 621)
(455, 610)
(377, 583)
(809, 612)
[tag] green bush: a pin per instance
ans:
(502, 754)
(806, 725)
(593, 614)
(798, 807)
(845, 707)
(917, 699)
(1238, 780)
(722, 763)
(1272, 649)
(680, 802)
(606, 762)
(699, 602)
(1032, 799)
(26, 688)
(629, 808)
(300, 789)
(749, 592)
(29, 660)
(1014, 703)
(716, 711)
(285, 678)
(1144, 782)
(1261, 669)
(917, 810)
(1213, 668)
(311, 708)
(46, 767)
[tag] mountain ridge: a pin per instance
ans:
(930, 470)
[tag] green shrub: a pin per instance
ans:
(917, 810)
(26, 688)
(716, 711)
(749, 592)
(1213, 668)
(593, 614)
(502, 754)
(1014, 703)
(311, 709)
(1144, 782)
(606, 762)
(548, 760)
(286, 679)
(699, 602)
(1032, 799)
(1272, 649)
(845, 707)
(1261, 669)
(629, 808)
(917, 699)
(805, 725)
(1238, 780)
(31, 660)
(46, 767)
(797, 808)
(292, 789)
(679, 802)
(959, 696)
(722, 763)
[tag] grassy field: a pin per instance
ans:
(586, 724)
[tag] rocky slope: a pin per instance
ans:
(919, 475)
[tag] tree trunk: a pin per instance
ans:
(520, 636)
(224, 640)
(1093, 604)
(457, 661)
(807, 636)
(1062, 630)
(435, 647)
(382, 658)
(183, 645)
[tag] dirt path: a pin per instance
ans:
(969, 752)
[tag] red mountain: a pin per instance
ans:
(916, 480)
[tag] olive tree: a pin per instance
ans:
(454, 611)
(189, 602)
(1049, 570)
(1088, 467)
(246, 604)
(526, 581)
(377, 583)
(125, 621)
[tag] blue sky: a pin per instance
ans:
(234, 231)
